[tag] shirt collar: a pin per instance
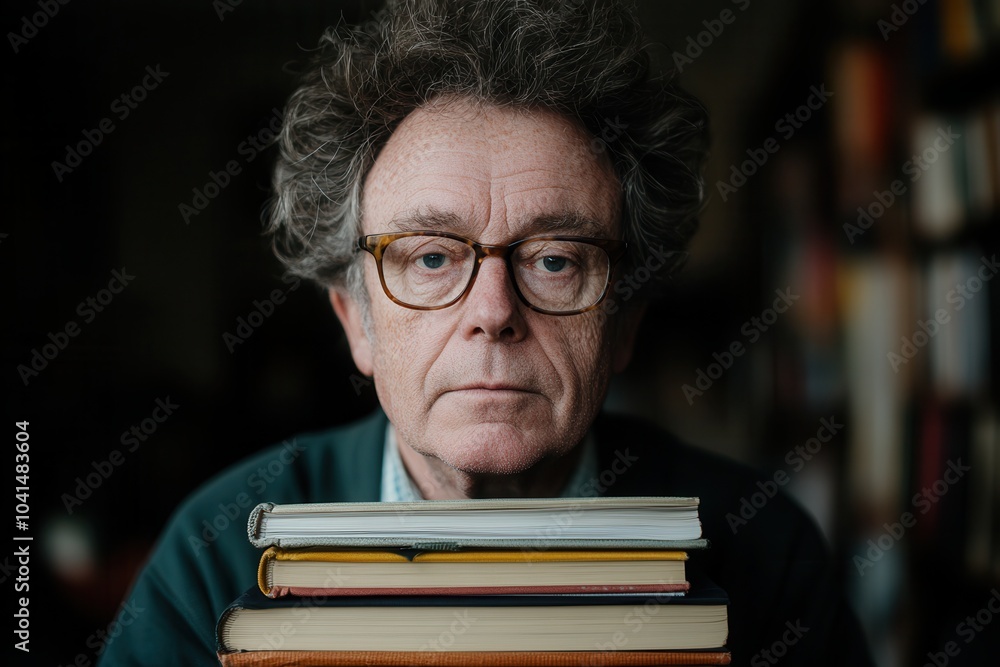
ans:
(397, 485)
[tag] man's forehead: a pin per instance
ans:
(458, 169)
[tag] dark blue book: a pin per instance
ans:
(570, 622)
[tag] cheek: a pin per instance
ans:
(403, 353)
(396, 344)
(586, 363)
(391, 337)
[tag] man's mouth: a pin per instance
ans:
(495, 387)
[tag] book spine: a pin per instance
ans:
(222, 628)
(254, 524)
(264, 570)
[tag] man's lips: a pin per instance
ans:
(495, 389)
(490, 387)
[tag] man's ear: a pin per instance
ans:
(626, 327)
(349, 314)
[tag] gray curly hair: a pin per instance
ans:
(585, 60)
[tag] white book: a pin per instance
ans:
(639, 522)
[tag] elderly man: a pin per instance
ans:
(468, 180)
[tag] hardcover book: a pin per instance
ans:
(321, 571)
(500, 623)
(560, 523)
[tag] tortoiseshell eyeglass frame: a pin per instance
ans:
(377, 243)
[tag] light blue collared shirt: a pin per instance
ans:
(397, 485)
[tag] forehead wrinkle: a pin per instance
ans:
(570, 222)
(422, 150)
(597, 216)
(430, 218)
(434, 219)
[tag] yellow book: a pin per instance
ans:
(316, 571)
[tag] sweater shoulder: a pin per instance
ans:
(334, 465)
(204, 546)
(736, 500)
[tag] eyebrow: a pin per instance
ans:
(434, 219)
(428, 218)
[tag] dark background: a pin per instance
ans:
(162, 337)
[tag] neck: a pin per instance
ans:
(437, 480)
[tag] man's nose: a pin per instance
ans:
(491, 307)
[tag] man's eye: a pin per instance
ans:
(431, 261)
(553, 264)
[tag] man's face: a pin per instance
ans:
(487, 385)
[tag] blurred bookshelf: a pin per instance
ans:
(880, 212)
(888, 222)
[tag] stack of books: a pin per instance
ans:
(516, 582)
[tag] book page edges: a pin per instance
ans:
(652, 589)
(467, 659)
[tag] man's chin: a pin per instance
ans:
(492, 448)
(485, 406)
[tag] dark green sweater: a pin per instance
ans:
(775, 566)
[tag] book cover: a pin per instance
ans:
(577, 523)
(308, 572)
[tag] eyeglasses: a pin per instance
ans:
(555, 275)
